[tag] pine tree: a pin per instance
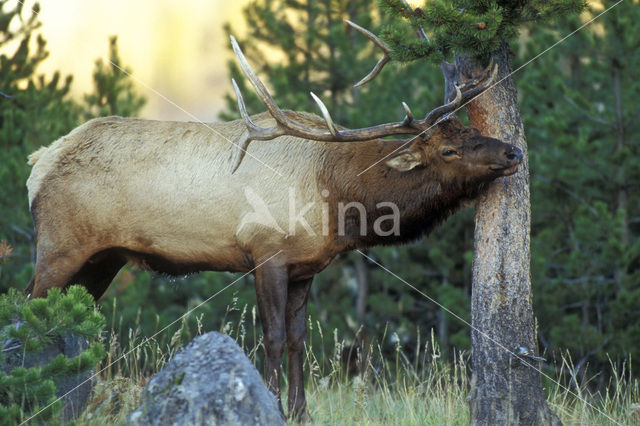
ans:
(113, 89)
(502, 314)
(28, 326)
(477, 28)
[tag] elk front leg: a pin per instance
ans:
(271, 294)
(296, 332)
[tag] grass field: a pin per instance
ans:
(391, 390)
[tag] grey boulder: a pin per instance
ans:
(73, 390)
(209, 382)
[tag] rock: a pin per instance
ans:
(209, 382)
(71, 346)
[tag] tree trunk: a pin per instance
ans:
(363, 289)
(620, 142)
(503, 390)
(362, 271)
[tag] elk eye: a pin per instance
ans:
(448, 152)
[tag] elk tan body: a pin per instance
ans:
(166, 189)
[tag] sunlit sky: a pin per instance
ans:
(176, 48)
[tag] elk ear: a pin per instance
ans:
(405, 160)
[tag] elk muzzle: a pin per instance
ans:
(512, 157)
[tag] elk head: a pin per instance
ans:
(456, 152)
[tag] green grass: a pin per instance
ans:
(384, 390)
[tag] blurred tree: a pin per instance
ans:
(304, 46)
(585, 180)
(34, 111)
(141, 304)
(113, 89)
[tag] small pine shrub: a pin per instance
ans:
(28, 326)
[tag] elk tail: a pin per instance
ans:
(35, 156)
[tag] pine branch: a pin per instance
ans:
(472, 27)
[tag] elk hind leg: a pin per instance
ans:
(55, 270)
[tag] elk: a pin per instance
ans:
(179, 197)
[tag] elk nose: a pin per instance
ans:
(514, 154)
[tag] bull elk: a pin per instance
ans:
(178, 198)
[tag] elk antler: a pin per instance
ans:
(386, 58)
(287, 126)
(381, 44)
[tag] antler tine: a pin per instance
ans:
(247, 139)
(381, 44)
(435, 114)
(241, 153)
(325, 114)
(409, 117)
(371, 36)
(374, 72)
(242, 107)
(464, 93)
(261, 90)
(253, 131)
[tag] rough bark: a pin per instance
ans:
(503, 390)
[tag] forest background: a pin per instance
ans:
(578, 103)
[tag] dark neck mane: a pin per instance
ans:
(423, 200)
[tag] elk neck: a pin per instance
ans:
(422, 198)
